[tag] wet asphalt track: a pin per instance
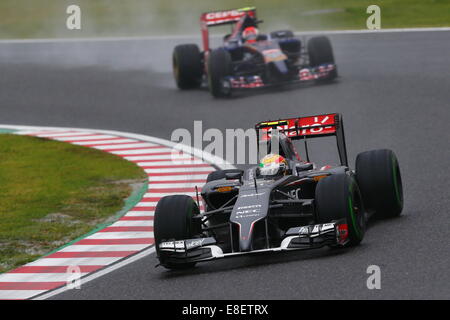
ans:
(394, 92)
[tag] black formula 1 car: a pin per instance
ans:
(306, 208)
(270, 59)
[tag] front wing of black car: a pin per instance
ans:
(297, 238)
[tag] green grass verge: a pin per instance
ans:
(47, 18)
(53, 192)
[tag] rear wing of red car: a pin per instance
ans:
(217, 18)
(310, 127)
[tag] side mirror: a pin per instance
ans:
(304, 167)
(233, 175)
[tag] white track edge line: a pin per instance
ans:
(192, 36)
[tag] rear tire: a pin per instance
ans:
(320, 52)
(219, 67)
(187, 66)
(174, 221)
(379, 178)
(337, 197)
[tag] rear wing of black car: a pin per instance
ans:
(308, 127)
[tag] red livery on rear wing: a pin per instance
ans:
(223, 17)
(308, 127)
(320, 125)
(216, 18)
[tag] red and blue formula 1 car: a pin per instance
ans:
(248, 59)
(280, 205)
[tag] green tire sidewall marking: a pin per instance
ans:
(394, 172)
(352, 213)
(130, 202)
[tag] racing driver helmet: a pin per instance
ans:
(250, 34)
(273, 166)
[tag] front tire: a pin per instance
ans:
(337, 197)
(379, 178)
(320, 52)
(187, 66)
(174, 221)
(219, 67)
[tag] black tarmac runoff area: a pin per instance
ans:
(393, 92)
